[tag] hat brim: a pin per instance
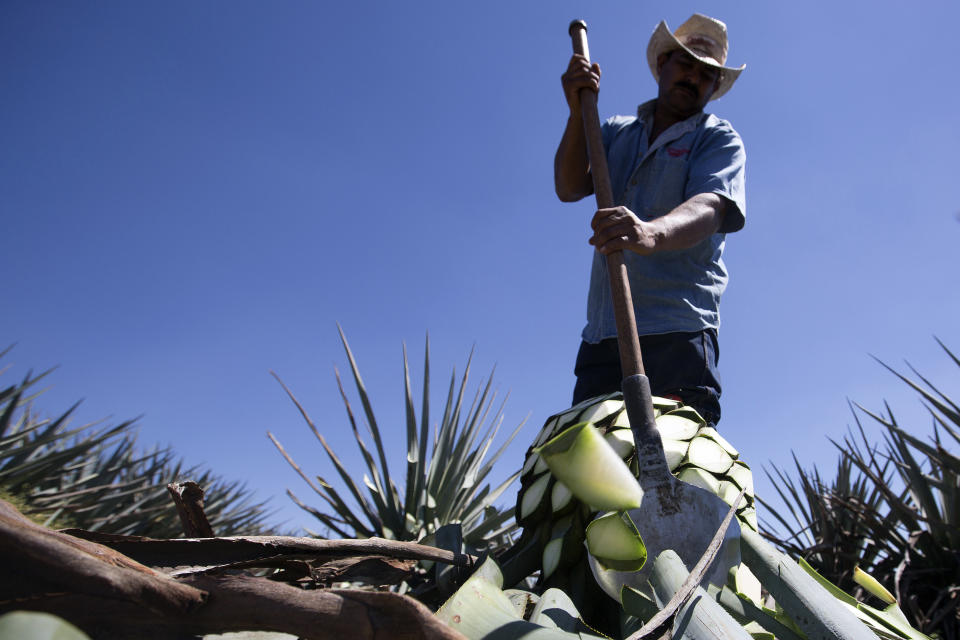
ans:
(663, 41)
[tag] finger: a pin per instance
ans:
(611, 244)
(603, 218)
(615, 233)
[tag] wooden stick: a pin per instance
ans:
(631, 361)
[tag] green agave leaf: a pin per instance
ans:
(872, 586)
(613, 539)
(744, 610)
(581, 459)
(892, 617)
(834, 590)
(555, 610)
(481, 610)
(701, 618)
(677, 427)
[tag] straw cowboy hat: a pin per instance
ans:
(702, 37)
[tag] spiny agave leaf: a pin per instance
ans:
(872, 586)
(865, 613)
(389, 494)
(581, 459)
(817, 611)
(345, 475)
(415, 462)
(834, 590)
(707, 454)
(613, 539)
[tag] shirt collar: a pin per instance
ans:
(645, 114)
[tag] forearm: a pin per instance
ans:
(688, 224)
(571, 169)
(618, 228)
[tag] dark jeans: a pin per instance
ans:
(682, 365)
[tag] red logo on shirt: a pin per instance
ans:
(676, 153)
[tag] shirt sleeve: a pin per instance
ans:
(717, 166)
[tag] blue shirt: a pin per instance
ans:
(672, 290)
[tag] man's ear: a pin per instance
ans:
(662, 60)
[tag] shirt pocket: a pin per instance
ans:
(667, 179)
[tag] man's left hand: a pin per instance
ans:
(619, 229)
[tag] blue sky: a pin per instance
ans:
(196, 193)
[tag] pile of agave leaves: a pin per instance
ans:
(577, 489)
(574, 480)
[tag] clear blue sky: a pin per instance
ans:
(195, 193)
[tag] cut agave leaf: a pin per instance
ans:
(540, 466)
(636, 603)
(748, 516)
(621, 440)
(550, 427)
(677, 427)
(613, 539)
(707, 454)
(741, 475)
(551, 556)
(34, 625)
(728, 491)
(597, 412)
(689, 413)
(700, 478)
(555, 610)
(622, 420)
(560, 497)
(580, 458)
(713, 434)
(664, 405)
(533, 497)
(747, 585)
(528, 464)
(676, 451)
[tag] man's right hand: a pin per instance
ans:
(580, 74)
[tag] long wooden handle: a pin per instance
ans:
(631, 361)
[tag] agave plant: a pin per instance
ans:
(445, 471)
(893, 510)
(555, 522)
(96, 477)
(581, 465)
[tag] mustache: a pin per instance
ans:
(687, 85)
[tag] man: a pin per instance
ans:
(677, 174)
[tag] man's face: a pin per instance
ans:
(686, 84)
